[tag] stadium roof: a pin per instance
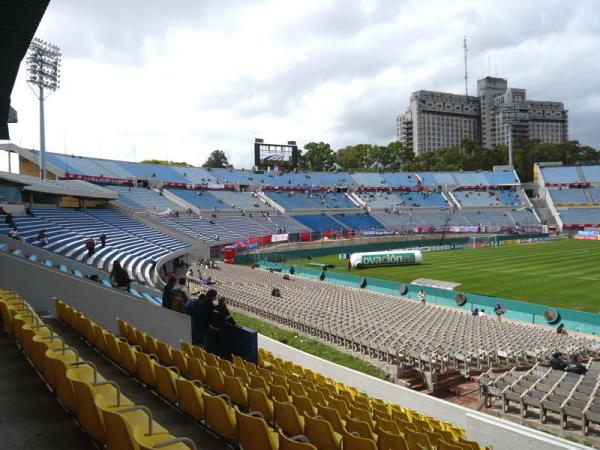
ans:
(73, 188)
(19, 20)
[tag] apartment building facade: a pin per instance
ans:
(436, 120)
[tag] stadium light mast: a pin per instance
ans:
(510, 116)
(43, 70)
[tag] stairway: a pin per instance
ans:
(541, 208)
(413, 377)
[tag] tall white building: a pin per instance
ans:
(437, 120)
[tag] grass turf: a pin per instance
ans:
(308, 345)
(564, 273)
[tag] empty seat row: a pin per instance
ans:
(108, 416)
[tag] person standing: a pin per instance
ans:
(103, 240)
(90, 246)
(349, 264)
(167, 297)
(498, 311)
(199, 310)
(422, 297)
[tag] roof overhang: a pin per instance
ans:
(18, 22)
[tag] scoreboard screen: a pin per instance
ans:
(273, 155)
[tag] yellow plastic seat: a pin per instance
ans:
(361, 427)
(214, 379)
(166, 382)
(196, 369)
(129, 355)
(121, 424)
(354, 442)
(210, 359)
(151, 345)
(41, 344)
(295, 443)
(387, 425)
(140, 339)
(258, 401)
(220, 417)
(253, 432)
(162, 441)
(321, 435)
(180, 361)
(186, 348)
(146, 371)
(304, 405)
(415, 438)
(100, 338)
(391, 441)
(296, 388)
(238, 362)
(59, 361)
(287, 418)
(198, 352)
(250, 368)
(279, 393)
(226, 367)
(236, 391)
(88, 414)
(242, 374)
(112, 348)
(164, 353)
(258, 382)
(443, 445)
(317, 398)
(333, 417)
(122, 328)
(340, 405)
(190, 399)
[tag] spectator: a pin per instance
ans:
(482, 313)
(575, 366)
(180, 296)
(119, 277)
(29, 212)
(200, 310)
(422, 297)
(208, 281)
(220, 320)
(90, 245)
(42, 238)
(8, 220)
(561, 329)
(103, 240)
(167, 297)
(475, 312)
(349, 264)
(556, 363)
(498, 311)
(14, 233)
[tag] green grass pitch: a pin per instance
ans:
(564, 273)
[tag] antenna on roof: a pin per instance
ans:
(466, 72)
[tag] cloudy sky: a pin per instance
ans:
(178, 79)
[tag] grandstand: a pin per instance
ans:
(571, 194)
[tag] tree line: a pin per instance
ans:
(468, 156)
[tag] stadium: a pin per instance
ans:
(356, 310)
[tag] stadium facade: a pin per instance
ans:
(436, 120)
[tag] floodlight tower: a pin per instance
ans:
(43, 69)
(510, 116)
